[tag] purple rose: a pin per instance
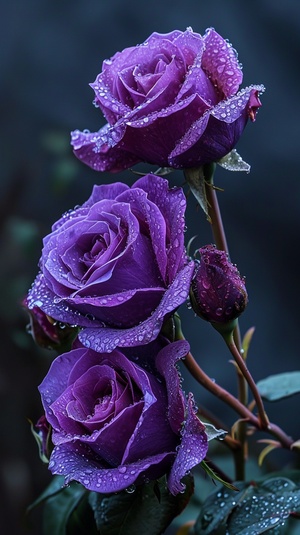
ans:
(172, 101)
(117, 265)
(116, 423)
(218, 292)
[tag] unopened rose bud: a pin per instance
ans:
(218, 293)
(43, 433)
(45, 331)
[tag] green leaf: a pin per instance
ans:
(82, 521)
(138, 510)
(196, 180)
(279, 386)
(269, 506)
(211, 473)
(56, 485)
(58, 509)
(256, 508)
(212, 432)
(217, 507)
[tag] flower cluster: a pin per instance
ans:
(115, 269)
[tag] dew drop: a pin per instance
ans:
(122, 469)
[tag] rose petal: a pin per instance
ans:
(170, 241)
(220, 62)
(98, 150)
(166, 365)
(192, 449)
(77, 462)
(216, 133)
(147, 438)
(107, 339)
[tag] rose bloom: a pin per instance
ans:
(218, 292)
(116, 423)
(117, 265)
(172, 101)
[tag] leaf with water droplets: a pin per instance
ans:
(279, 386)
(234, 162)
(216, 509)
(257, 507)
(138, 511)
(212, 432)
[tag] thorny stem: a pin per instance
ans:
(200, 376)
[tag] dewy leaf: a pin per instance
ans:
(279, 386)
(59, 508)
(137, 510)
(268, 507)
(216, 509)
(256, 508)
(212, 432)
(196, 180)
(234, 162)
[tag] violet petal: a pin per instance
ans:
(107, 339)
(77, 462)
(192, 449)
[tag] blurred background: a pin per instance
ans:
(51, 50)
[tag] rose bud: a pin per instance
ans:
(218, 293)
(174, 101)
(44, 433)
(45, 331)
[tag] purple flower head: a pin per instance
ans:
(218, 292)
(117, 265)
(173, 101)
(116, 423)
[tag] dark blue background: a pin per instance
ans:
(50, 51)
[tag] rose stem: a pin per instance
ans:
(244, 370)
(233, 402)
(221, 243)
(216, 222)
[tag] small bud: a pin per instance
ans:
(42, 434)
(45, 331)
(218, 293)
